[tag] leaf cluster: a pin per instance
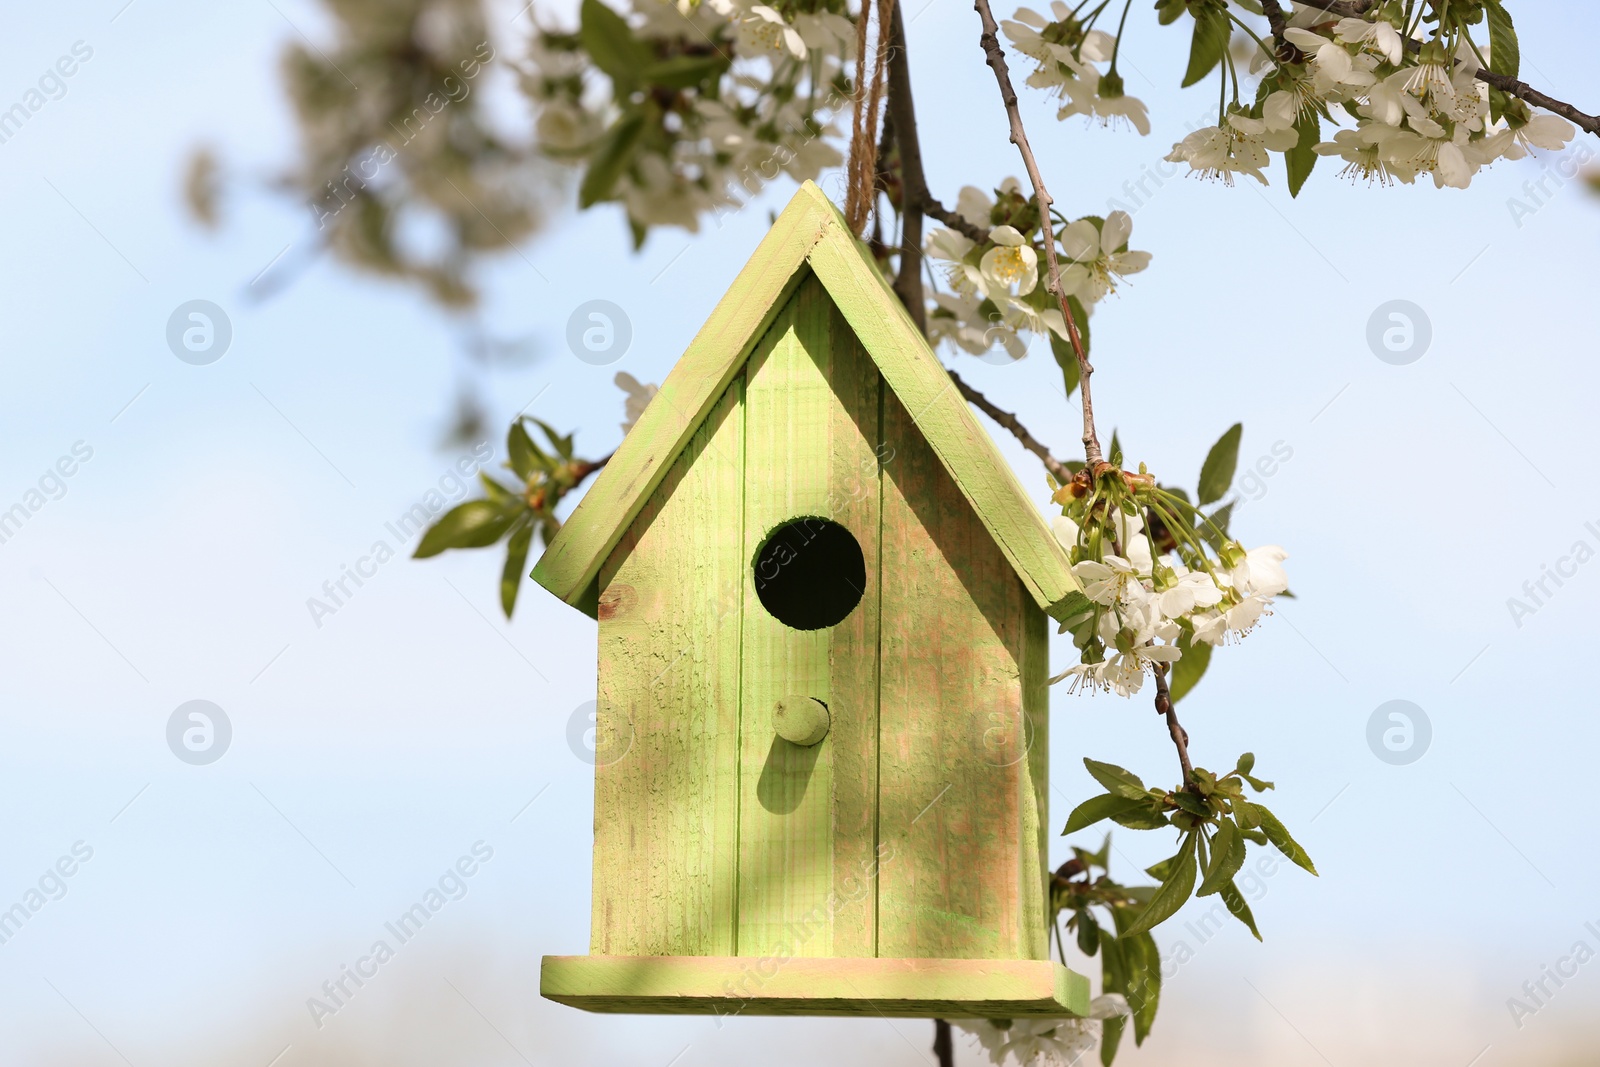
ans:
(1216, 820)
(1099, 913)
(517, 515)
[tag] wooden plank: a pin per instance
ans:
(570, 563)
(916, 376)
(1034, 786)
(899, 988)
(666, 774)
(951, 720)
(807, 813)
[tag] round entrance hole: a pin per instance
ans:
(810, 573)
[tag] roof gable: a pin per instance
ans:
(809, 232)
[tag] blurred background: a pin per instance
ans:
(189, 512)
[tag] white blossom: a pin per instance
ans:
(1099, 256)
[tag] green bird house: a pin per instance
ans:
(822, 712)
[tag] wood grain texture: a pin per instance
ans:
(807, 813)
(1034, 852)
(898, 988)
(572, 560)
(953, 729)
(667, 769)
(916, 376)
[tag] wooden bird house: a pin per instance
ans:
(822, 599)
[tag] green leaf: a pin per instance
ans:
(1189, 669)
(605, 35)
(1068, 362)
(1169, 11)
(1113, 960)
(1505, 55)
(498, 493)
(1116, 780)
(475, 524)
(1110, 1038)
(1144, 982)
(1258, 784)
(1227, 856)
(1115, 454)
(1190, 803)
(611, 160)
(1113, 979)
(562, 445)
(1091, 811)
(516, 560)
(1146, 816)
(1280, 837)
(1175, 888)
(1246, 764)
(1088, 933)
(684, 72)
(1216, 473)
(1300, 160)
(1210, 41)
(1247, 815)
(521, 451)
(1238, 908)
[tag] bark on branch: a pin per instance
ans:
(989, 40)
(1057, 469)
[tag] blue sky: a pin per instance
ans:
(370, 752)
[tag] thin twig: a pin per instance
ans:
(1056, 468)
(1180, 736)
(1286, 52)
(1527, 93)
(996, 57)
(935, 210)
(917, 201)
(902, 118)
(943, 1045)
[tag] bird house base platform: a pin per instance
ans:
(757, 985)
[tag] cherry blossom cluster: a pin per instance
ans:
(728, 96)
(1418, 106)
(1045, 1042)
(996, 292)
(1067, 51)
(1158, 579)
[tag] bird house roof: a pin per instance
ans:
(810, 234)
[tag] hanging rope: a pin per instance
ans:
(862, 168)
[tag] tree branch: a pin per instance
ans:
(915, 202)
(1527, 93)
(1180, 736)
(933, 209)
(943, 1046)
(1056, 468)
(996, 57)
(1286, 52)
(902, 116)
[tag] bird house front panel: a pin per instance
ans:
(667, 716)
(821, 686)
(808, 811)
(963, 717)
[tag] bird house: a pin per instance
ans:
(820, 784)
